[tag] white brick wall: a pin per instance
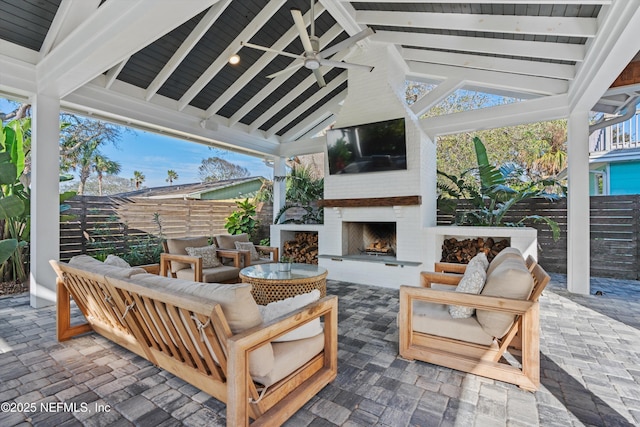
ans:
(372, 97)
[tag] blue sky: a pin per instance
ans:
(154, 154)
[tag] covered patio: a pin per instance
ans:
(589, 371)
(153, 65)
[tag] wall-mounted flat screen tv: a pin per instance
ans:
(370, 147)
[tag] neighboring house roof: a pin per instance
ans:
(614, 156)
(200, 190)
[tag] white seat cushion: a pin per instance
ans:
(434, 319)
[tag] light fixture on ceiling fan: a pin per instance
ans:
(313, 58)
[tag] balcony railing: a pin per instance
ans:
(621, 135)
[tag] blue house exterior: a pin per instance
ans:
(614, 159)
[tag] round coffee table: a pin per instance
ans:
(270, 284)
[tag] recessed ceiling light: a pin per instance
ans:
(234, 59)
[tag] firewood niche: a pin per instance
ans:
(303, 248)
(461, 251)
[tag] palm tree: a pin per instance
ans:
(104, 166)
(171, 176)
(138, 178)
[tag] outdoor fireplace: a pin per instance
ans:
(371, 238)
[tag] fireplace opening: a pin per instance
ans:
(371, 239)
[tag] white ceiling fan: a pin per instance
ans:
(313, 57)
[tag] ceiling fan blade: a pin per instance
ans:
(302, 29)
(346, 43)
(268, 49)
(348, 65)
(319, 78)
(286, 70)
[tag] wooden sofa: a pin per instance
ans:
(464, 344)
(210, 335)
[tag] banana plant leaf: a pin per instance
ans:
(7, 248)
(10, 207)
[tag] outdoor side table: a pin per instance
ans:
(270, 284)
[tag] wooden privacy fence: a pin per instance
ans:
(115, 220)
(615, 227)
(615, 234)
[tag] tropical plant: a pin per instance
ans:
(138, 179)
(242, 220)
(104, 166)
(13, 200)
(136, 250)
(303, 191)
(171, 176)
(492, 191)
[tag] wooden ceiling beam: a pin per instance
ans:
(480, 62)
(490, 79)
(260, 64)
(567, 2)
(249, 31)
(115, 31)
(308, 103)
(505, 47)
(537, 25)
(325, 39)
(189, 43)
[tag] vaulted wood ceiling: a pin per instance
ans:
(163, 64)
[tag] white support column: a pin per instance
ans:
(45, 217)
(578, 218)
(279, 187)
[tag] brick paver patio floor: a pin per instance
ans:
(590, 357)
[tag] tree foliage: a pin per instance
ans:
(215, 169)
(171, 176)
(138, 179)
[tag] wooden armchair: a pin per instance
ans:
(480, 358)
(227, 242)
(176, 263)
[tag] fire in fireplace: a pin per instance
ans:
(371, 238)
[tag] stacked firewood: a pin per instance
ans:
(303, 249)
(461, 251)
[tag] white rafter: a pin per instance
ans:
(92, 49)
(608, 55)
(344, 14)
(189, 43)
(437, 94)
(539, 25)
(325, 39)
(112, 74)
(254, 26)
(260, 64)
(530, 111)
(308, 103)
(576, 2)
(506, 47)
(69, 16)
(491, 63)
(490, 79)
(311, 121)
(310, 81)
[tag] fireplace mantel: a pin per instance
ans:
(370, 202)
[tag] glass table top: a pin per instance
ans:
(272, 271)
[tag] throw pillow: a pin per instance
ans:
(208, 255)
(480, 258)
(248, 246)
(281, 308)
(117, 261)
(471, 283)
